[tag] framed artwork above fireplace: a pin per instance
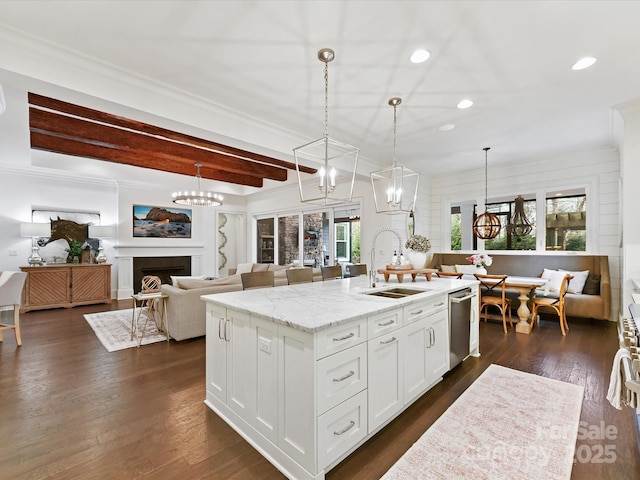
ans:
(161, 222)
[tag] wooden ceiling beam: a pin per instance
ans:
(69, 146)
(102, 117)
(96, 133)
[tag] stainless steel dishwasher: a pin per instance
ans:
(459, 325)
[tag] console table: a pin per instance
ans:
(65, 286)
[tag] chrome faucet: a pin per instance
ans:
(372, 272)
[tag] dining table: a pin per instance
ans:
(526, 288)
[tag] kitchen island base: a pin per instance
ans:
(306, 398)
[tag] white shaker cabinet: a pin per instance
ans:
(304, 397)
(385, 378)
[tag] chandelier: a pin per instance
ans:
(519, 225)
(395, 189)
(338, 160)
(487, 225)
(197, 197)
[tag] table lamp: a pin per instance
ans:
(35, 231)
(100, 232)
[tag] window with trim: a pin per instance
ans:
(505, 239)
(566, 222)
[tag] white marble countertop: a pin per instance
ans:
(318, 305)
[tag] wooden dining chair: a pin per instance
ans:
(449, 275)
(356, 270)
(11, 285)
(494, 294)
(299, 275)
(257, 280)
(556, 304)
(331, 273)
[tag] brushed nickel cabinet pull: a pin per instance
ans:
(386, 324)
(392, 339)
(219, 331)
(344, 377)
(343, 338)
(418, 312)
(346, 429)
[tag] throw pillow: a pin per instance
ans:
(174, 279)
(555, 280)
(190, 283)
(576, 285)
(244, 268)
(448, 268)
(592, 285)
(260, 267)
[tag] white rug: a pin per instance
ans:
(113, 329)
(507, 425)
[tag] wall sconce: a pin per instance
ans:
(35, 231)
(100, 232)
(338, 160)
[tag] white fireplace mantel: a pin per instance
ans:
(126, 253)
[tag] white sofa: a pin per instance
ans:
(185, 309)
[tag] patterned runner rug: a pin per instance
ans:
(507, 425)
(113, 329)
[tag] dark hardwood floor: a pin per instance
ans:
(71, 410)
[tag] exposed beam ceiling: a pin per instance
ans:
(61, 127)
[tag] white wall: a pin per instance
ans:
(630, 173)
(597, 171)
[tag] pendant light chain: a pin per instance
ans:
(395, 127)
(486, 173)
(326, 98)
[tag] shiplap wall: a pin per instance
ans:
(598, 171)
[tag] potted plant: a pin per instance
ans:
(418, 247)
(74, 251)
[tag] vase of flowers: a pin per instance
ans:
(418, 247)
(481, 261)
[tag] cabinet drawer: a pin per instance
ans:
(385, 322)
(341, 428)
(418, 310)
(341, 376)
(340, 337)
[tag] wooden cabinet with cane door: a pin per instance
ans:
(65, 286)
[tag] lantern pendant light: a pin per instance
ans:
(487, 225)
(334, 180)
(395, 189)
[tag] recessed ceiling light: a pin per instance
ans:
(420, 56)
(583, 63)
(466, 103)
(446, 127)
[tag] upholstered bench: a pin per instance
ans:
(593, 302)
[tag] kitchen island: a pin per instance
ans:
(307, 373)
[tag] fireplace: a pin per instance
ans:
(163, 267)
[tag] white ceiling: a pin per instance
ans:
(259, 58)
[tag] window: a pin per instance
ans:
(566, 218)
(342, 242)
(456, 228)
(505, 240)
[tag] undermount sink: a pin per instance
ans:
(395, 292)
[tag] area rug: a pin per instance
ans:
(507, 425)
(113, 329)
